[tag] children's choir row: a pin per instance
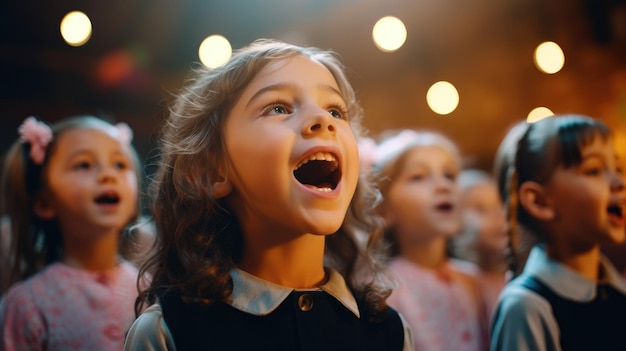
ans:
(275, 222)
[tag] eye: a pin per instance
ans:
(278, 107)
(593, 171)
(338, 111)
(122, 165)
(82, 165)
(418, 177)
(451, 176)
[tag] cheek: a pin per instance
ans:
(131, 184)
(353, 168)
(407, 204)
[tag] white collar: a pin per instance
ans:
(259, 297)
(566, 282)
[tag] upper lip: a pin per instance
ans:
(618, 204)
(326, 175)
(107, 193)
(445, 203)
(323, 150)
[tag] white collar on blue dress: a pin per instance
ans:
(566, 282)
(259, 297)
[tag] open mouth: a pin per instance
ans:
(616, 211)
(445, 207)
(320, 171)
(108, 199)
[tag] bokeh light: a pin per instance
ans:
(549, 57)
(76, 28)
(214, 51)
(389, 34)
(442, 97)
(539, 113)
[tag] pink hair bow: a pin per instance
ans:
(126, 133)
(38, 135)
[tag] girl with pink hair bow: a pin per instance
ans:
(70, 191)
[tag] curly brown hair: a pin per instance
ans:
(199, 240)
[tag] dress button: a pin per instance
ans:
(305, 302)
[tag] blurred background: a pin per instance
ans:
(140, 51)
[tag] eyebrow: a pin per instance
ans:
(288, 86)
(91, 153)
(596, 155)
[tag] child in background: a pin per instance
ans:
(70, 190)
(483, 239)
(569, 192)
(417, 174)
(258, 204)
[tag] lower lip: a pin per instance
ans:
(107, 207)
(617, 220)
(323, 194)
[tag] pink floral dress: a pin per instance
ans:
(64, 308)
(442, 307)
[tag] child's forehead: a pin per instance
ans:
(91, 136)
(297, 68)
(598, 146)
(424, 154)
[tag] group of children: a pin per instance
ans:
(277, 228)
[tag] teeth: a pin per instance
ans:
(320, 156)
(322, 190)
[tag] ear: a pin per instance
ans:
(221, 187)
(533, 198)
(43, 208)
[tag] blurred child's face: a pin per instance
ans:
(589, 200)
(483, 214)
(423, 201)
(293, 158)
(91, 182)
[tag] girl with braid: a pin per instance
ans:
(567, 189)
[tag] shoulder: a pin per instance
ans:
(523, 321)
(149, 332)
(16, 302)
(408, 337)
(464, 267)
(22, 322)
(467, 274)
(516, 300)
(22, 293)
(398, 331)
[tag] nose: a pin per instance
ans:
(444, 183)
(107, 174)
(320, 122)
(617, 182)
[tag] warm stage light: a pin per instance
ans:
(539, 113)
(389, 34)
(549, 57)
(442, 97)
(76, 28)
(215, 51)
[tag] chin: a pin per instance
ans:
(617, 238)
(326, 230)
